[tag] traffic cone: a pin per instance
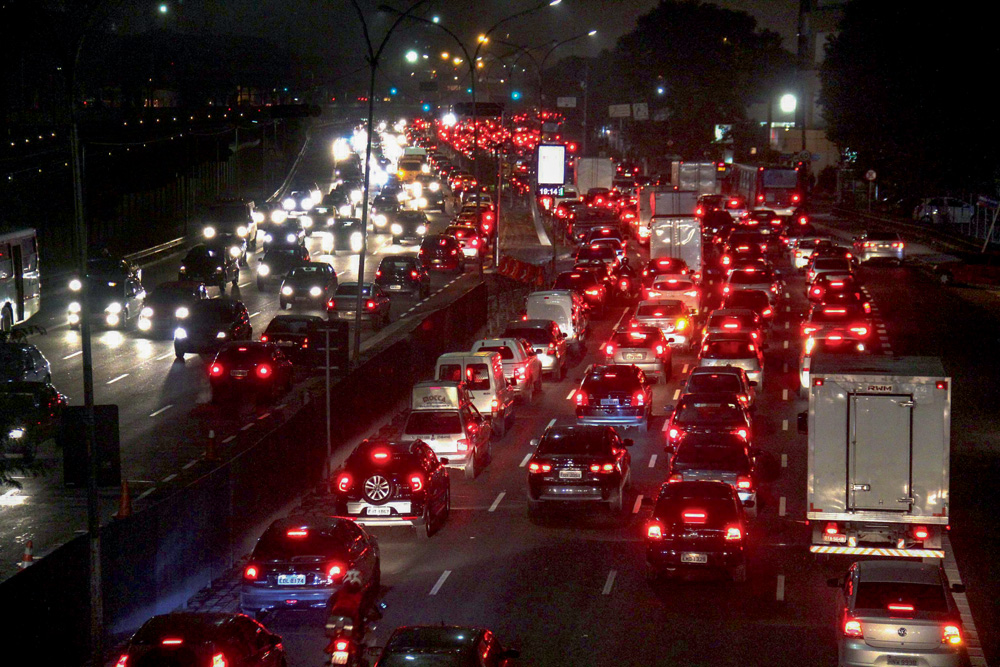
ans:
(27, 558)
(210, 453)
(125, 502)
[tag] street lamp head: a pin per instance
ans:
(554, 3)
(445, 55)
(788, 103)
(591, 33)
(457, 60)
(164, 9)
(411, 56)
(435, 19)
(483, 39)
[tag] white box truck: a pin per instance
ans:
(676, 236)
(879, 433)
(662, 200)
(593, 172)
(701, 177)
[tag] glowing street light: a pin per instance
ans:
(449, 119)
(164, 9)
(435, 19)
(591, 33)
(788, 103)
(483, 39)
(445, 55)
(412, 56)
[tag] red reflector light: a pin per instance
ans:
(341, 644)
(901, 608)
(744, 483)
(951, 635)
(654, 531)
(171, 642)
(334, 570)
(263, 338)
(941, 384)
(818, 382)
(297, 532)
(921, 533)
(831, 529)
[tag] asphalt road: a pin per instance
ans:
(164, 409)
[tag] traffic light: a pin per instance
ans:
(426, 108)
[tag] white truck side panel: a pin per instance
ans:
(678, 237)
(593, 172)
(700, 177)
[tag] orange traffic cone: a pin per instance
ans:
(28, 556)
(125, 502)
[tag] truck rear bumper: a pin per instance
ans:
(876, 551)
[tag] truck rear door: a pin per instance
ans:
(880, 450)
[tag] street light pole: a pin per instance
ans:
(541, 67)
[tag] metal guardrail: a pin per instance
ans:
(146, 253)
(918, 232)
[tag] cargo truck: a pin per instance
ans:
(593, 172)
(676, 236)
(701, 177)
(879, 434)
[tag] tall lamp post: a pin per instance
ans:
(541, 66)
(373, 56)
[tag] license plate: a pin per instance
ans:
(285, 343)
(609, 401)
(570, 474)
(378, 511)
(834, 538)
(345, 314)
(901, 660)
(634, 356)
(238, 374)
(694, 558)
(291, 580)
(436, 261)
(395, 287)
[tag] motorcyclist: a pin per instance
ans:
(349, 610)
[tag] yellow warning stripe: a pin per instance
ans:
(869, 551)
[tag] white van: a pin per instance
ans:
(564, 307)
(482, 373)
(443, 416)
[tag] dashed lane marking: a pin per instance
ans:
(637, 505)
(786, 345)
(496, 503)
(570, 395)
(779, 594)
(231, 438)
(684, 369)
(146, 492)
(610, 582)
(255, 314)
(190, 464)
(169, 477)
(781, 506)
(550, 424)
(784, 460)
(784, 367)
(784, 394)
(524, 461)
(161, 410)
(440, 582)
(75, 354)
(120, 377)
(677, 394)
(247, 427)
(788, 309)
(784, 424)
(652, 461)
(244, 284)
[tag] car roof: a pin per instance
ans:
(911, 572)
(431, 637)
(709, 396)
(530, 324)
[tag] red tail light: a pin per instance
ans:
(219, 660)
(535, 466)
(264, 371)
(171, 641)
(760, 197)
(215, 370)
(639, 399)
(251, 572)
(462, 445)
(831, 528)
(593, 291)
(330, 304)
(414, 274)
(734, 533)
(796, 197)
(606, 467)
(654, 530)
(921, 532)
(341, 645)
(416, 483)
(378, 273)
(335, 571)
(676, 477)
(122, 661)
(581, 398)
(675, 432)
(370, 305)
(816, 291)
(263, 338)
(767, 312)
(742, 432)
(344, 482)
(951, 635)
(609, 349)
(860, 330)
(744, 483)
(852, 628)
(659, 349)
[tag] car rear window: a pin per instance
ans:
(660, 310)
(574, 442)
(351, 289)
(830, 263)
(532, 335)
(712, 382)
(835, 314)
(249, 354)
(396, 265)
(879, 595)
(727, 349)
(620, 379)
(881, 236)
(747, 299)
(439, 658)
(706, 411)
(672, 284)
(276, 544)
(575, 280)
(736, 322)
(602, 252)
(506, 354)
(287, 326)
(716, 512)
(708, 457)
(642, 338)
(433, 423)
(476, 376)
(751, 277)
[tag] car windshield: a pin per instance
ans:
(727, 349)
(697, 411)
(433, 423)
(660, 310)
(277, 544)
(700, 383)
(476, 376)
(17, 404)
(879, 595)
(781, 178)
(711, 457)
(203, 253)
(532, 335)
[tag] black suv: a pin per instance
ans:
(211, 324)
(442, 252)
(203, 638)
(212, 264)
(394, 483)
(615, 394)
(579, 463)
(697, 526)
(403, 273)
(408, 227)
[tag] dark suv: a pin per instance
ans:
(212, 264)
(579, 463)
(203, 638)
(211, 324)
(394, 483)
(443, 253)
(615, 394)
(403, 273)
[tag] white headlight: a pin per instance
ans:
(74, 307)
(278, 216)
(315, 291)
(180, 334)
(287, 290)
(422, 229)
(315, 195)
(422, 202)
(356, 241)
(16, 433)
(114, 307)
(426, 168)
(396, 228)
(291, 238)
(209, 232)
(268, 238)
(257, 216)
(434, 186)
(402, 196)
(75, 285)
(288, 204)
(221, 334)
(145, 324)
(74, 318)
(263, 270)
(306, 221)
(181, 312)
(242, 230)
(112, 319)
(235, 251)
(418, 189)
(146, 312)
(379, 220)
(356, 196)
(331, 221)
(306, 203)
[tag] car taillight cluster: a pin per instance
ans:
(536, 466)
(609, 349)
(251, 572)
(215, 370)
(335, 571)
(744, 483)
(742, 432)
(654, 530)
(604, 468)
(581, 398)
(951, 634)
(639, 399)
(852, 628)
(734, 533)
(344, 482)
(416, 483)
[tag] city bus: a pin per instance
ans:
(773, 187)
(20, 280)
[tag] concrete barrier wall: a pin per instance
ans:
(155, 559)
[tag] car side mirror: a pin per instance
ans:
(443, 461)
(628, 442)
(803, 422)
(834, 582)
(753, 383)
(533, 442)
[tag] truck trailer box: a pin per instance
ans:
(593, 172)
(879, 443)
(676, 236)
(701, 177)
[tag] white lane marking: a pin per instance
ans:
(120, 377)
(189, 464)
(255, 314)
(788, 309)
(610, 582)
(652, 461)
(637, 505)
(244, 284)
(788, 325)
(786, 345)
(784, 424)
(550, 424)
(161, 410)
(684, 369)
(75, 354)
(281, 407)
(435, 294)
(146, 492)
(780, 593)
(570, 395)
(169, 477)
(781, 506)
(784, 367)
(524, 461)
(496, 503)
(247, 427)
(677, 394)
(440, 582)
(231, 438)
(784, 394)
(784, 460)
(164, 356)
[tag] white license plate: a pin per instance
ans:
(345, 314)
(694, 558)
(901, 660)
(284, 343)
(238, 374)
(378, 511)
(395, 287)
(634, 356)
(570, 474)
(834, 538)
(291, 580)
(610, 401)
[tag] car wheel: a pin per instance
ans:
(236, 279)
(739, 573)
(428, 527)
(616, 504)
(471, 470)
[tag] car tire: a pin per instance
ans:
(235, 282)
(428, 528)
(739, 573)
(617, 504)
(471, 470)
